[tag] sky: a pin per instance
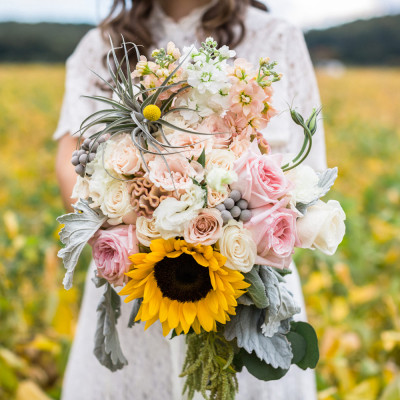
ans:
(306, 13)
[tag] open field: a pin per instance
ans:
(353, 298)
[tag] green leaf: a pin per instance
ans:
(260, 369)
(202, 158)
(299, 346)
(307, 332)
(257, 289)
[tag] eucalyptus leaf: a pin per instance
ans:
(245, 328)
(258, 368)
(107, 348)
(257, 289)
(79, 227)
(307, 332)
(135, 309)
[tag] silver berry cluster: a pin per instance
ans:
(85, 154)
(234, 207)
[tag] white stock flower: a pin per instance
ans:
(146, 230)
(237, 245)
(322, 227)
(217, 178)
(172, 214)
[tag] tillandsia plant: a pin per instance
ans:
(195, 220)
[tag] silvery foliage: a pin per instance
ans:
(263, 330)
(245, 326)
(107, 348)
(282, 303)
(325, 182)
(79, 227)
(135, 309)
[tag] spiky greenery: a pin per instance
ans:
(208, 367)
(125, 115)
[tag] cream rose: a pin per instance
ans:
(81, 188)
(146, 230)
(116, 201)
(122, 156)
(322, 227)
(220, 158)
(237, 245)
(205, 228)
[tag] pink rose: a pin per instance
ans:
(206, 228)
(273, 228)
(178, 168)
(260, 177)
(111, 249)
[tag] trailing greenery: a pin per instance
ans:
(208, 367)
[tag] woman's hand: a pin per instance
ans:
(66, 175)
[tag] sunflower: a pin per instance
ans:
(184, 286)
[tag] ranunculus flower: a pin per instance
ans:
(322, 227)
(238, 246)
(205, 228)
(177, 175)
(260, 177)
(122, 156)
(111, 249)
(273, 228)
(146, 230)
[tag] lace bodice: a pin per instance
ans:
(155, 362)
(266, 36)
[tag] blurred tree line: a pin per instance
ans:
(364, 42)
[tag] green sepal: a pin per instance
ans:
(258, 368)
(202, 159)
(306, 352)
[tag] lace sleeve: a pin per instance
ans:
(303, 91)
(80, 81)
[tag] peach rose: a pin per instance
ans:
(121, 155)
(217, 125)
(205, 228)
(214, 197)
(195, 142)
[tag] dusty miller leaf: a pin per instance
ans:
(282, 303)
(325, 182)
(245, 327)
(107, 348)
(135, 309)
(79, 227)
(257, 289)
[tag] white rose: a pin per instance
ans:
(146, 230)
(81, 188)
(116, 201)
(217, 178)
(305, 181)
(322, 227)
(238, 246)
(172, 214)
(122, 156)
(98, 184)
(220, 158)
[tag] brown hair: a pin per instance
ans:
(223, 20)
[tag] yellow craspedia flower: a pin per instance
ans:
(152, 112)
(184, 286)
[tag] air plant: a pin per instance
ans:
(134, 109)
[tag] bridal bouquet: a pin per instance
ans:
(193, 219)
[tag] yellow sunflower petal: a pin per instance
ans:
(137, 258)
(173, 314)
(150, 322)
(196, 326)
(212, 279)
(158, 246)
(164, 307)
(212, 301)
(200, 260)
(174, 254)
(204, 316)
(166, 329)
(189, 312)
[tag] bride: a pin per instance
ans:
(155, 362)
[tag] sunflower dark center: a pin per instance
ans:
(182, 278)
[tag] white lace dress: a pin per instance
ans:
(155, 362)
